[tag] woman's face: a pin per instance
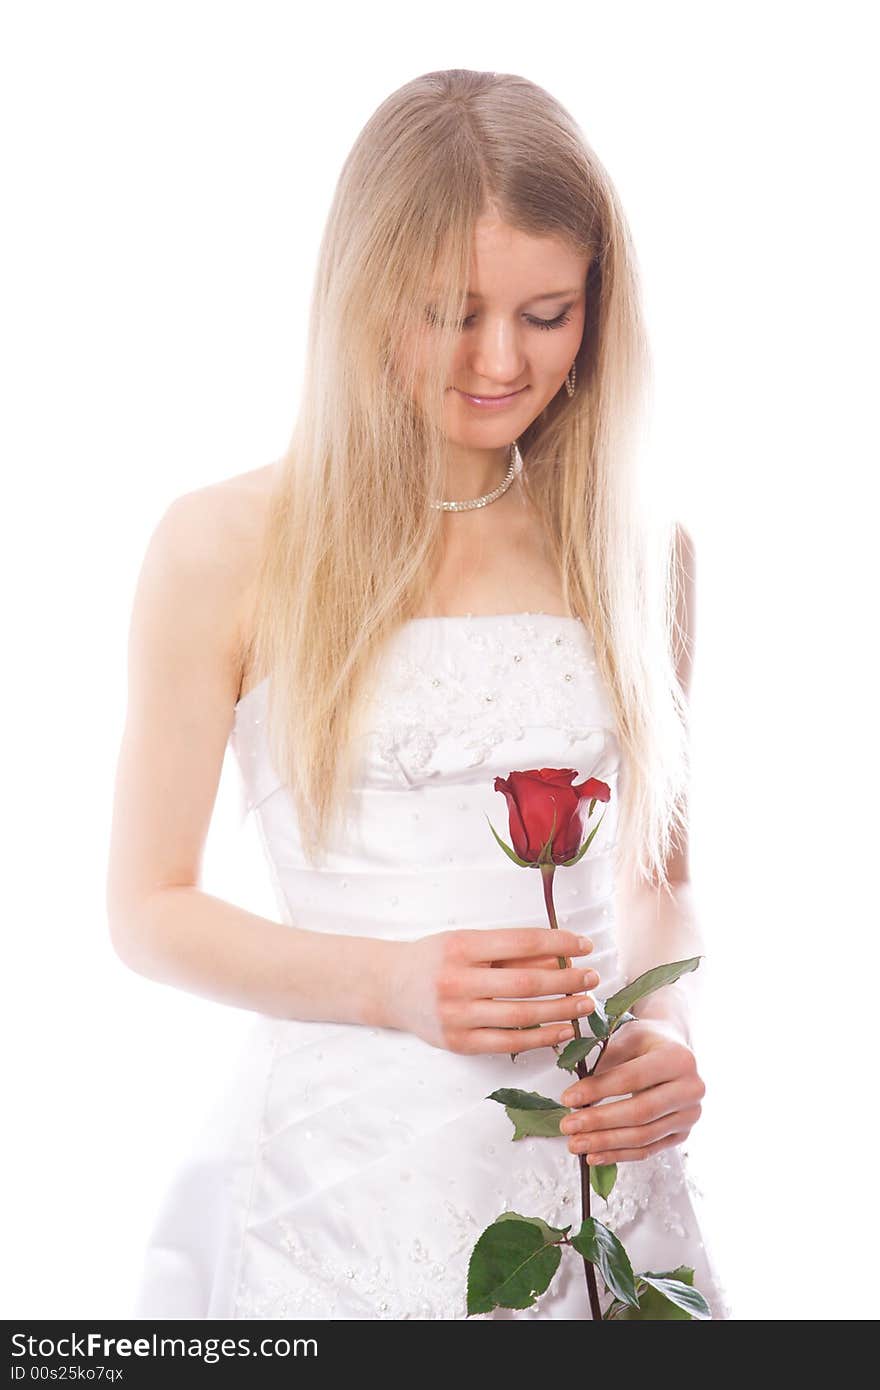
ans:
(524, 323)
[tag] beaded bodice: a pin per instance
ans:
(460, 700)
(371, 1160)
(472, 682)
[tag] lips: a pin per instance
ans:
(484, 396)
(490, 400)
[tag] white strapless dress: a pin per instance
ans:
(347, 1171)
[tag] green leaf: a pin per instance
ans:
(625, 1017)
(512, 1263)
(532, 1115)
(523, 1100)
(603, 1176)
(616, 1309)
(646, 983)
(600, 1245)
(511, 853)
(549, 1232)
(680, 1295)
(546, 855)
(537, 1124)
(598, 1020)
(667, 1297)
(575, 1051)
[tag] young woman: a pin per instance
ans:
(448, 577)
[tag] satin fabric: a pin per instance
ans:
(347, 1171)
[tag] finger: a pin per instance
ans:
(538, 962)
(634, 1155)
(649, 1069)
(498, 1013)
(628, 1041)
(517, 1039)
(634, 1136)
(504, 943)
(526, 982)
(641, 1109)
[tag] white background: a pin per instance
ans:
(167, 169)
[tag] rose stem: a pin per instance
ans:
(547, 872)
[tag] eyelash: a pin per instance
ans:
(558, 322)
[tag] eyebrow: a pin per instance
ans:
(551, 294)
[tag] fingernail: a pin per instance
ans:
(585, 944)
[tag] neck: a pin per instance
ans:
(474, 472)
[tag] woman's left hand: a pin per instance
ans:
(650, 1059)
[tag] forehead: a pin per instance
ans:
(564, 292)
(508, 264)
(526, 295)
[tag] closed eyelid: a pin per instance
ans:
(571, 296)
(543, 318)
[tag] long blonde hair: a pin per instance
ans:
(351, 544)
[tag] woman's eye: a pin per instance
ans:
(560, 319)
(563, 318)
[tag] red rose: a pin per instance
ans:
(535, 797)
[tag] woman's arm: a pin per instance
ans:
(464, 990)
(184, 937)
(660, 928)
(647, 1077)
(184, 677)
(657, 926)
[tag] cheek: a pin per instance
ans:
(551, 360)
(574, 334)
(568, 340)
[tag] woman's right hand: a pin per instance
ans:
(472, 990)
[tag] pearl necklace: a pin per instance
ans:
(515, 465)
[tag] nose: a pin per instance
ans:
(495, 354)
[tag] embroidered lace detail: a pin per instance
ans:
(533, 670)
(450, 695)
(365, 1285)
(463, 688)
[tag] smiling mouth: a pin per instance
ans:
(482, 395)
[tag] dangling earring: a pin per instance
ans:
(570, 379)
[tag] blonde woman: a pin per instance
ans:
(447, 577)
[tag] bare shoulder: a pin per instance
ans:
(195, 590)
(184, 668)
(209, 541)
(226, 519)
